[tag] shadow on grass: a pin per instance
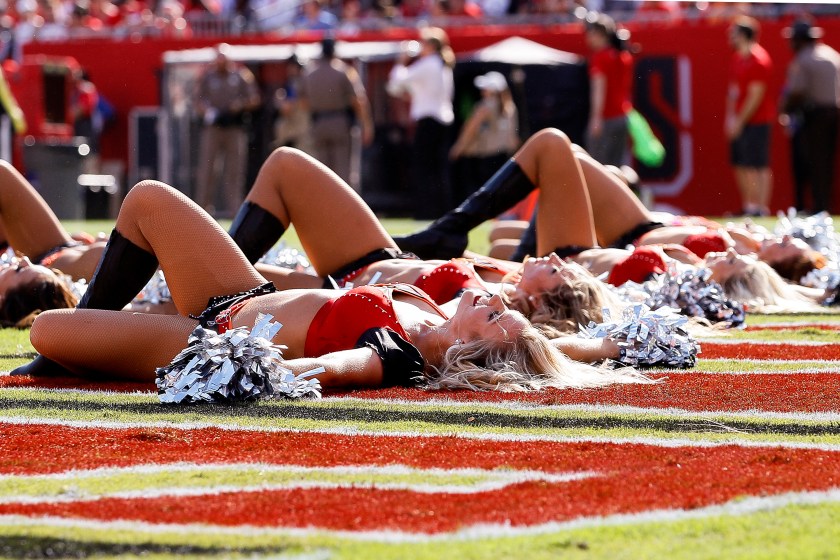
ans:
(351, 414)
(22, 547)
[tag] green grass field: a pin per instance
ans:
(733, 459)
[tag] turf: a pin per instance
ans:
(738, 457)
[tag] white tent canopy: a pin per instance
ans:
(520, 51)
(365, 50)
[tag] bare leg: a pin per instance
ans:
(112, 343)
(334, 224)
(747, 179)
(616, 210)
(285, 279)
(30, 226)
(198, 258)
(765, 189)
(507, 229)
(564, 215)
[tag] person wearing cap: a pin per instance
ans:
(428, 83)
(333, 94)
(611, 82)
(812, 91)
(488, 137)
(749, 117)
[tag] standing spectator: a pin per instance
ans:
(428, 83)
(610, 83)
(225, 95)
(813, 90)
(750, 113)
(314, 17)
(292, 127)
(335, 97)
(12, 120)
(488, 137)
(84, 101)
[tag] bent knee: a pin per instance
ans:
(46, 333)
(6, 168)
(150, 193)
(286, 156)
(552, 136)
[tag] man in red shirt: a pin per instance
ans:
(610, 84)
(750, 113)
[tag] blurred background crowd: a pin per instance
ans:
(22, 21)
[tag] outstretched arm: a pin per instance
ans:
(360, 367)
(587, 349)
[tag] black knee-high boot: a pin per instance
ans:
(255, 230)
(527, 242)
(121, 273)
(447, 237)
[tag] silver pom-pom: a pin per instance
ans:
(817, 231)
(156, 291)
(237, 365)
(648, 338)
(694, 293)
(690, 291)
(287, 257)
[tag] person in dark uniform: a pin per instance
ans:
(335, 97)
(813, 91)
(225, 94)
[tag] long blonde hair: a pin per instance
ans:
(577, 301)
(762, 290)
(528, 363)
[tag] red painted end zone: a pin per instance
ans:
(631, 478)
(753, 351)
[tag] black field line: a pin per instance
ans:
(446, 418)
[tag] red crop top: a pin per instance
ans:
(708, 242)
(341, 322)
(444, 282)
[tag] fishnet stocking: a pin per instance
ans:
(334, 225)
(114, 343)
(198, 258)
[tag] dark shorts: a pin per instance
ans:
(752, 147)
(352, 269)
(217, 305)
(45, 256)
(630, 238)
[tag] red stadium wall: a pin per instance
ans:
(682, 69)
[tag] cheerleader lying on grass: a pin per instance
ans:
(371, 336)
(347, 245)
(599, 217)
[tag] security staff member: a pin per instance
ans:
(225, 95)
(337, 102)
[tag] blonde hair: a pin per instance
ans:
(577, 301)
(762, 290)
(528, 363)
(439, 40)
